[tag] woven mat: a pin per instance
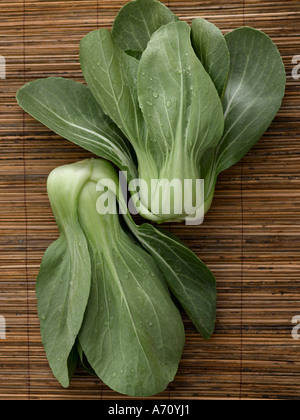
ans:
(250, 237)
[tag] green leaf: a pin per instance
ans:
(63, 282)
(211, 49)
(137, 21)
(180, 104)
(111, 76)
(188, 278)
(69, 109)
(132, 333)
(254, 92)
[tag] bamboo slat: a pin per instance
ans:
(249, 239)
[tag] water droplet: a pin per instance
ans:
(152, 274)
(150, 323)
(155, 95)
(168, 104)
(114, 374)
(143, 73)
(43, 316)
(149, 103)
(178, 71)
(121, 371)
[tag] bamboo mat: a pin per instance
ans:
(250, 238)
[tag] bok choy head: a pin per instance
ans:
(168, 102)
(166, 105)
(98, 287)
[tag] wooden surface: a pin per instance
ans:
(250, 238)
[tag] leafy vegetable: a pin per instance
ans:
(164, 102)
(131, 334)
(168, 124)
(159, 86)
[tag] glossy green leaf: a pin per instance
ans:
(132, 333)
(211, 49)
(180, 104)
(70, 110)
(111, 76)
(188, 278)
(64, 278)
(254, 92)
(137, 21)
